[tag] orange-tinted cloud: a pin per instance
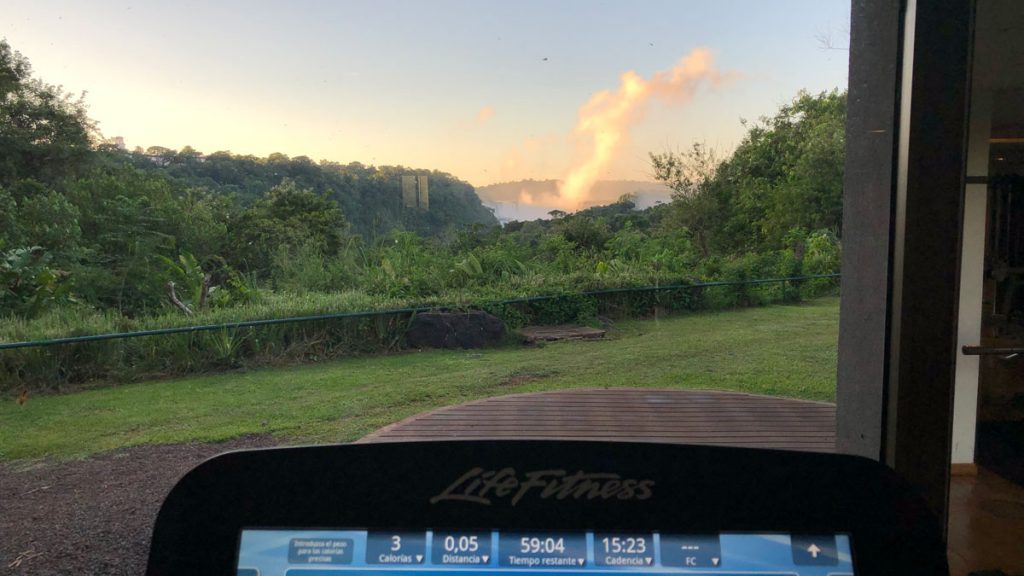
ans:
(484, 115)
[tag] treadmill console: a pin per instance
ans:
(543, 508)
(544, 553)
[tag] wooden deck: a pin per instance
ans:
(640, 415)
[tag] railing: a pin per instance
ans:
(391, 312)
(1006, 352)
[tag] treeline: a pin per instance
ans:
(83, 223)
(369, 196)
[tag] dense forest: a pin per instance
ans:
(370, 197)
(84, 222)
(94, 238)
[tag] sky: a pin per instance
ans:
(489, 91)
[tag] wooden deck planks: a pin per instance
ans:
(638, 415)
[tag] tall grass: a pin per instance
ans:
(72, 366)
(400, 272)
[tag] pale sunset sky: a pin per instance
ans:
(489, 91)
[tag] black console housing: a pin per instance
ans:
(531, 485)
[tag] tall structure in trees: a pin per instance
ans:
(416, 191)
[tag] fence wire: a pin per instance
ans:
(390, 312)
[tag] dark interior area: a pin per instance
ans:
(1000, 434)
(999, 49)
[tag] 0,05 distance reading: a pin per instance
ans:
(462, 544)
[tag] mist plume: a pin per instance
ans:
(604, 122)
(484, 115)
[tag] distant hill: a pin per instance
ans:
(533, 199)
(369, 196)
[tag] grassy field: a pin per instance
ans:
(776, 350)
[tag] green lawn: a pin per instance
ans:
(777, 350)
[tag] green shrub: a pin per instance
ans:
(29, 285)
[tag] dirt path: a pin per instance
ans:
(92, 516)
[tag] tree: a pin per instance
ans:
(287, 216)
(787, 173)
(10, 229)
(126, 217)
(45, 133)
(584, 232)
(203, 223)
(783, 181)
(689, 175)
(49, 220)
(160, 151)
(28, 285)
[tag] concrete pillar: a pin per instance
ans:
(972, 270)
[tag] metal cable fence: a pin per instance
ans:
(401, 311)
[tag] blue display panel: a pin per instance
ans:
(490, 553)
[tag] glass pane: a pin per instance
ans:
(228, 225)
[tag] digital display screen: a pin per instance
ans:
(493, 552)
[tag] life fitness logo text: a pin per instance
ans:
(482, 486)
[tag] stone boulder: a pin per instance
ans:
(455, 330)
